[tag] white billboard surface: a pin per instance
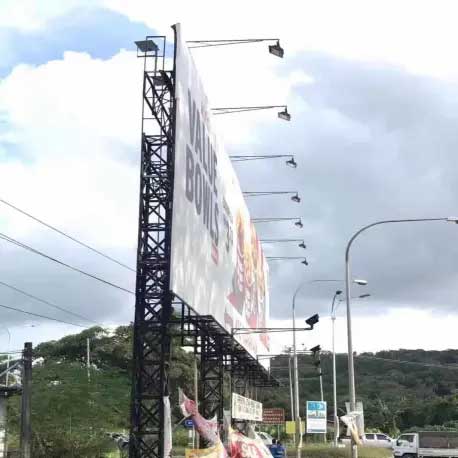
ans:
(218, 267)
(316, 417)
(245, 408)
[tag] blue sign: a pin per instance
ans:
(316, 417)
(188, 423)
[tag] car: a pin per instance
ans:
(379, 440)
(266, 438)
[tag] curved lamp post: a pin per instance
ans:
(295, 370)
(351, 367)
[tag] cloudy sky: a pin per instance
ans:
(372, 88)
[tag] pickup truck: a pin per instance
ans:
(427, 444)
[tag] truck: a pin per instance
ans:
(438, 444)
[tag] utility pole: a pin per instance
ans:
(88, 358)
(291, 392)
(26, 424)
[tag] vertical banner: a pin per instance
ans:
(217, 267)
(316, 417)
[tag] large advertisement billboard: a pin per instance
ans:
(218, 267)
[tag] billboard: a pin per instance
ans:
(245, 408)
(316, 417)
(217, 265)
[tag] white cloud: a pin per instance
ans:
(419, 36)
(392, 329)
(32, 14)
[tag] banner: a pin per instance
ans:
(316, 417)
(359, 418)
(273, 416)
(245, 408)
(245, 447)
(217, 265)
(216, 451)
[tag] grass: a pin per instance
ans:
(323, 451)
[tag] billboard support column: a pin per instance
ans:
(153, 298)
(211, 396)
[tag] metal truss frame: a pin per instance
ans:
(153, 304)
(159, 314)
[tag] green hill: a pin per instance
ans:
(401, 389)
(72, 415)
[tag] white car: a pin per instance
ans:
(379, 440)
(266, 438)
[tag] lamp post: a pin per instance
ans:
(334, 373)
(334, 377)
(351, 367)
(299, 441)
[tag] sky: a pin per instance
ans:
(372, 89)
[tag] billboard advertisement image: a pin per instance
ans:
(217, 267)
(316, 417)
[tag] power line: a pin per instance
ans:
(439, 366)
(41, 316)
(33, 250)
(55, 229)
(47, 302)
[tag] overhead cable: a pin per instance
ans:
(40, 316)
(62, 309)
(82, 272)
(74, 239)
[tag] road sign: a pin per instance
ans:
(188, 423)
(316, 417)
(273, 416)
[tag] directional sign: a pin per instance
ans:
(316, 417)
(188, 423)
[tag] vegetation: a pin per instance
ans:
(418, 394)
(322, 451)
(72, 415)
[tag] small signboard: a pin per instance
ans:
(316, 417)
(291, 427)
(188, 423)
(273, 416)
(245, 408)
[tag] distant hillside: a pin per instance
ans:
(400, 389)
(418, 392)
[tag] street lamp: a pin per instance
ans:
(351, 367)
(274, 49)
(297, 220)
(284, 114)
(287, 258)
(300, 245)
(256, 157)
(297, 408)
(295, 196)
